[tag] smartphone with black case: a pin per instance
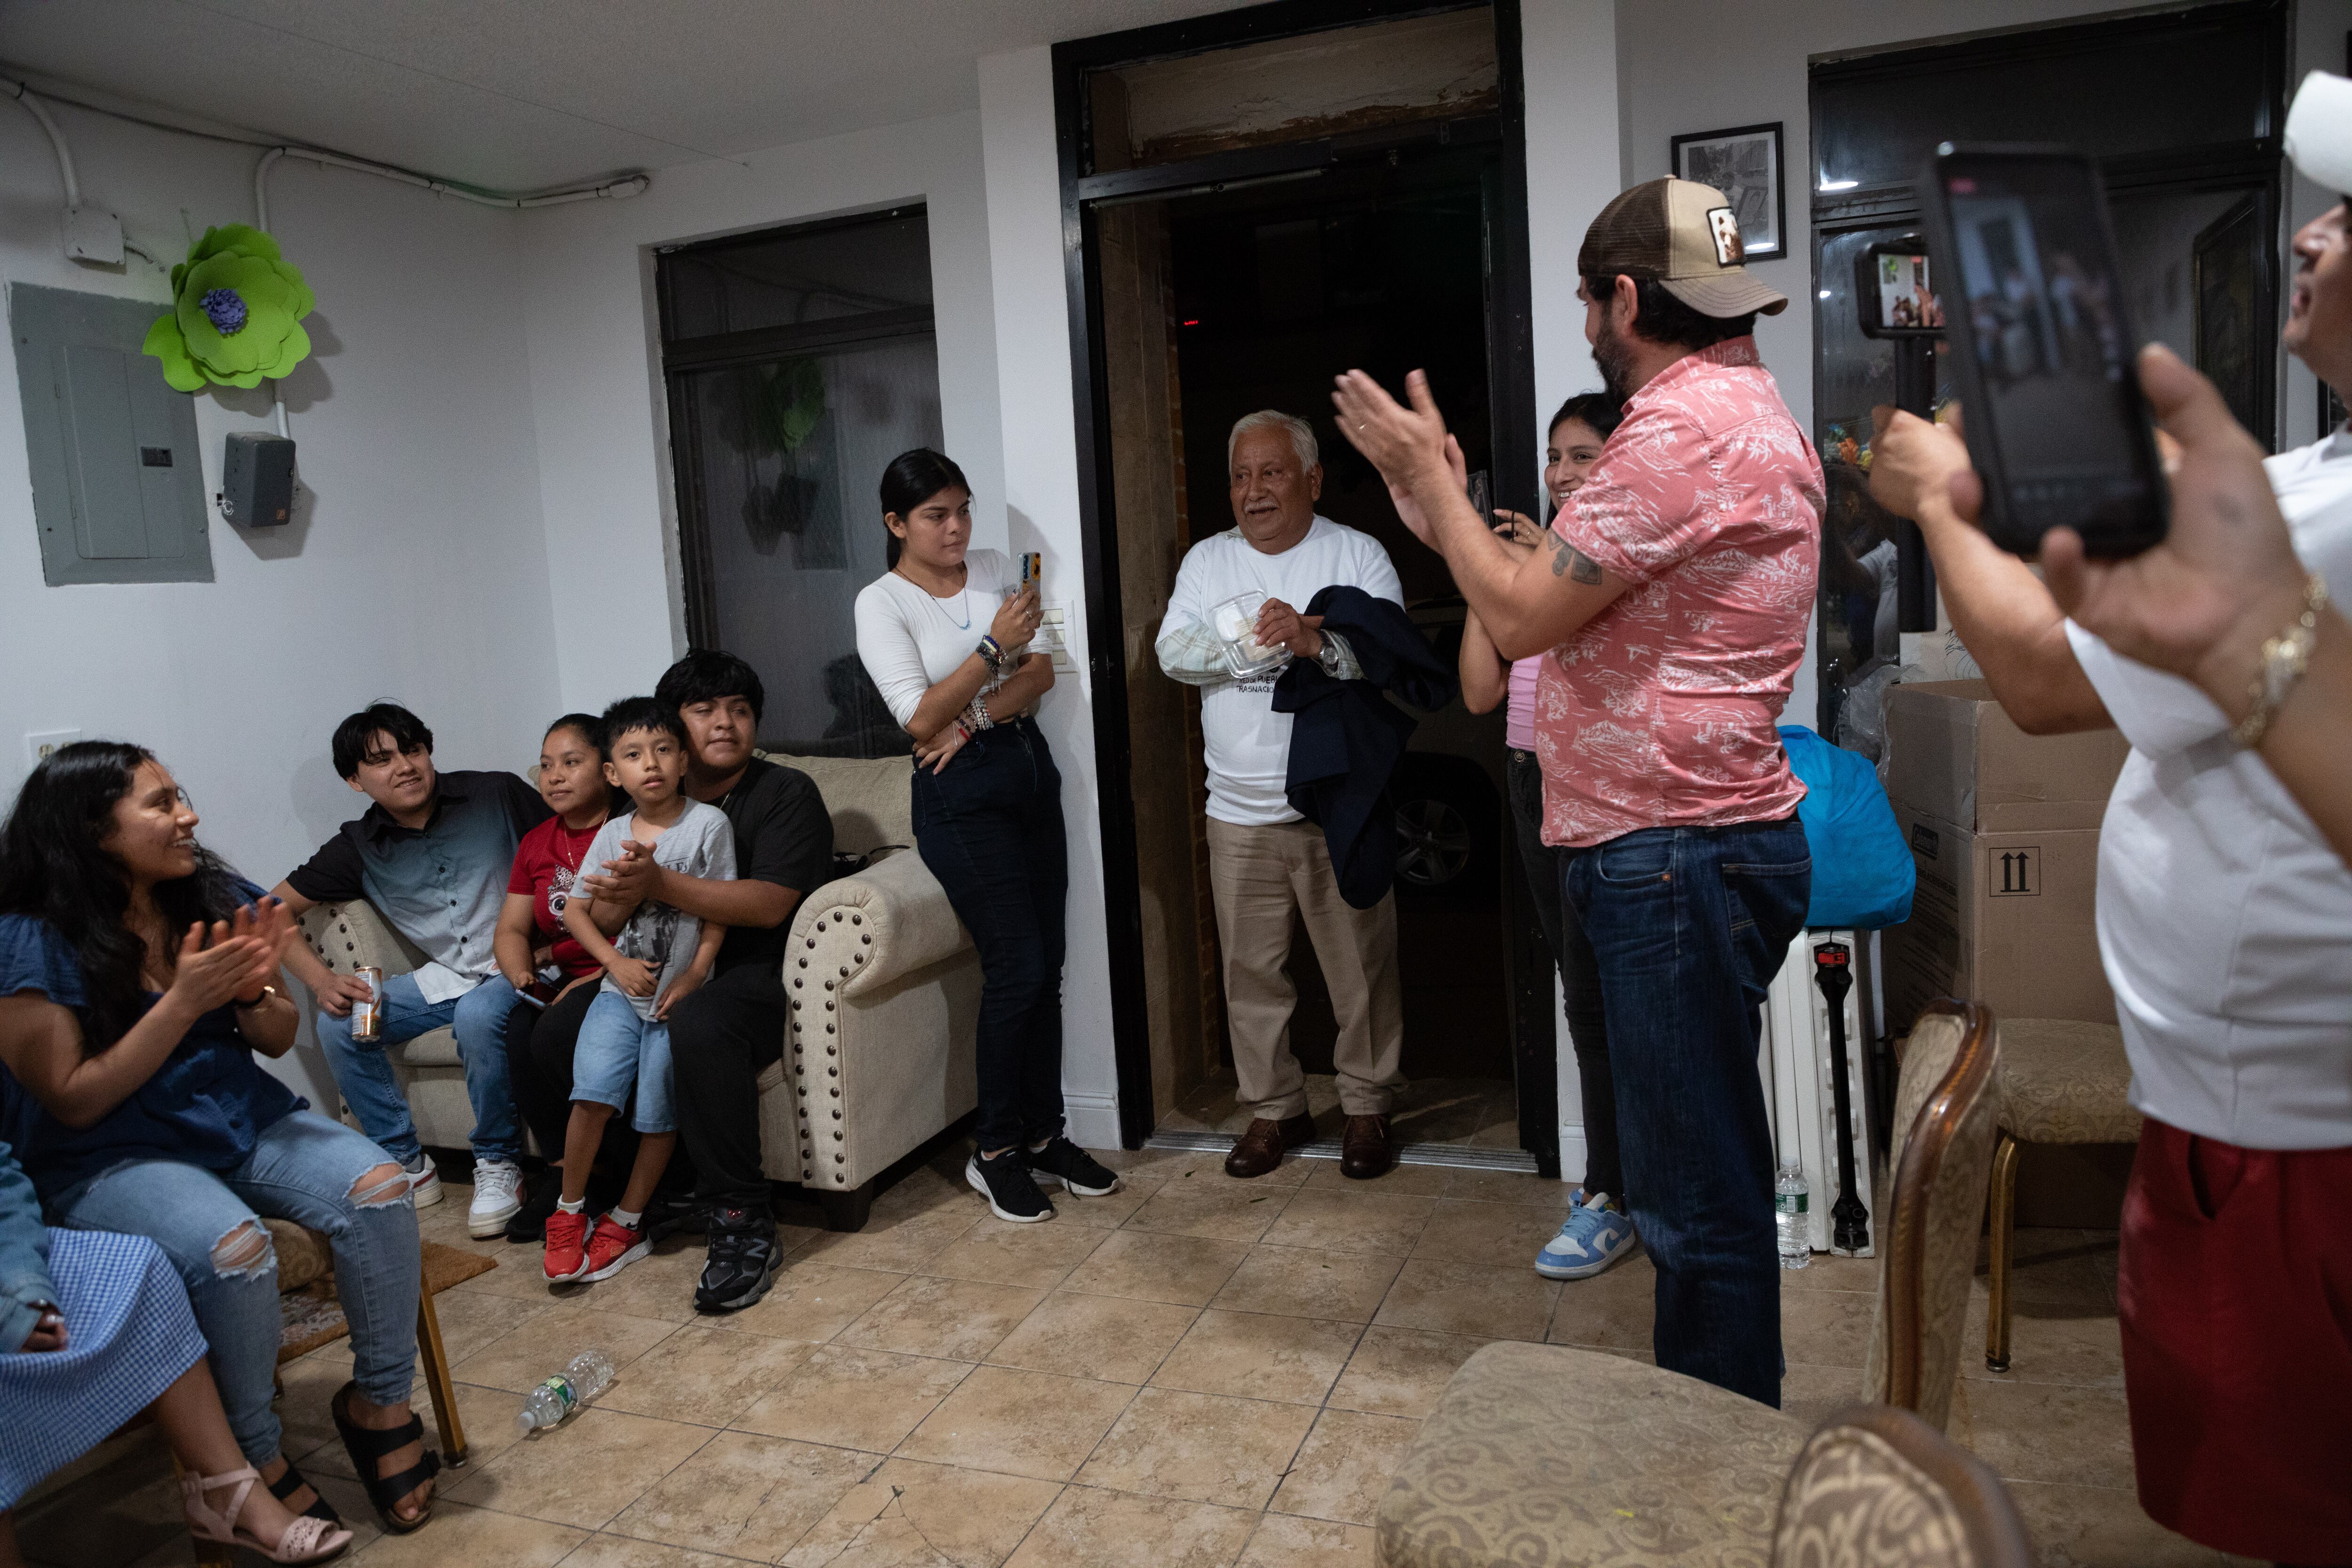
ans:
(2042, 349)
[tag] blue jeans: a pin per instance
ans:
(1689, 926)
(304, 1168)
(616, 1049)
(364, 1074)
(989, 828)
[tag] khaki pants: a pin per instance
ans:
(1259, 875)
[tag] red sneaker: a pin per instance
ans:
(613, 1247)
(567, 1242)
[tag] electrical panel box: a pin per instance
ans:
(258, 480)
(118, 486)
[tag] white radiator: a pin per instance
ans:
(1794, 1063)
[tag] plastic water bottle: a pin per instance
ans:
(568, 1390)
(1789, 1218)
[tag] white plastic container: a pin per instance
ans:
(588, 1375)
(1236, 621)
(1789, 1217)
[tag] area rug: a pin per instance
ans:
(312, 1316)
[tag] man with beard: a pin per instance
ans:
(1673, 596)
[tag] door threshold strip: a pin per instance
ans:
(1459, 1155)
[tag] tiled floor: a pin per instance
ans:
(1194, 1372)
(1482, 1112)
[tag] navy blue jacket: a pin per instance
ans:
(1347, 735)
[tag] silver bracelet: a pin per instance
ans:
(977, 716)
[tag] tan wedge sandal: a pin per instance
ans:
(307, 1540)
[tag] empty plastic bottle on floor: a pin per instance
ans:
(1789, 1218)
(568, 1390)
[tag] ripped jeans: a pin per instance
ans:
(303, 1168)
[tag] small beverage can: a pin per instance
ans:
(367, 1014)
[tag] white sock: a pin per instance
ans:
(624, 1218)
(570, 1205)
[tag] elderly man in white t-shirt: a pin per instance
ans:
(1265, 859)
(2225, 927)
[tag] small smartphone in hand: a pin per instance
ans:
(1032, 568)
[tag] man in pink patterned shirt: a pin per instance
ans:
(1672, 596)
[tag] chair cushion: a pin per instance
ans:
(303, 1254)
(871, 802)
(2064, 1082)
(1542, 1454)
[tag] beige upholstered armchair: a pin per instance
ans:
(1543, 1454)
(885, 987)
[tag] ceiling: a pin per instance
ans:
(530, 94)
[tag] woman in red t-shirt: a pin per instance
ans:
(535, 953)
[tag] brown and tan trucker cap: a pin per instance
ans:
(1683, 234)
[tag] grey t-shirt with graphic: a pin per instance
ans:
(699, 844)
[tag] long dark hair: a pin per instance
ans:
(912, 479)
(1596, 411)
(52, 864)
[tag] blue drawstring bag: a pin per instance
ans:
(1863, 875)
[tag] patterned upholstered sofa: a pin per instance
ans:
(884, 986)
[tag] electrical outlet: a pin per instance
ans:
(39, 743)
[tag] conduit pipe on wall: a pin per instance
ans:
(17, 91)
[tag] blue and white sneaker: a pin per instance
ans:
(1596, 1235)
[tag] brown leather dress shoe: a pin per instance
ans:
(1364, 1148)
(1259, 1150)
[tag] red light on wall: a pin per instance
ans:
(1193, 323)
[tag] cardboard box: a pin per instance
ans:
(2004, 834)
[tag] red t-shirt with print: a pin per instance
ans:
(546, 862)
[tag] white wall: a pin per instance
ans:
(416, 567)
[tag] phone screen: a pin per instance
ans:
(1897, 300)
(2054, 415)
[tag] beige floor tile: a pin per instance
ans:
(1285, 1541)
(1019, 1422)
(1088, 1528)
(1401, 1372)
(484, 1414)
(1813, 1394)
(2049, 1342)
(659, 1285)
(1254, 1355)
(582, 1472)
(544, 1343)
(1196, 1170)
(1143, 1266)
(1198, 1448)
(1112, 1209)
(471, 1535)
(1344, 1466)
(956, 1320)
(1498, 1302)
(619, 1552)
(1038, 1256)
(815, 1301)
(518, 1277)
(743, 1495)
(705, 1375)
(911, 1515)
(2068, 1266)
(1828, 1271)
(2100, 1527)
(927, 1193)
(1616, 1308)
(2043, 1432)
(900, 1245)
(1300, 1283)
(1827, 1328)
(1398, 1181)
(1101, 1337)
(1461, 1231)
(470, 1323)
(1508, 1187)
(1225, 1211)
(1351, 1222)
(854, 1398)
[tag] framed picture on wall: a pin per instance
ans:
(1745, 165)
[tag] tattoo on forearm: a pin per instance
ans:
(1569, 561)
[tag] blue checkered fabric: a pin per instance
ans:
(128, 1336)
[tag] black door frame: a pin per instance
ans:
(1511, 389)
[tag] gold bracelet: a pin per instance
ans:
(267, 993)
(2284, 659)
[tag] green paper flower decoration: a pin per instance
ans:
(236, 312)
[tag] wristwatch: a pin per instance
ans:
(267, 993)
(1328, 656)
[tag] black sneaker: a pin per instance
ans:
(1080, 1173)
(530, 1223)
(1011, 1193)
(669, 1212)
(742, 1263)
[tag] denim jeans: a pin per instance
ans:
(617, 1050)
(989, 828)
(1689, 925)
(1580, 976)
(364, 1074)
(304, 1168)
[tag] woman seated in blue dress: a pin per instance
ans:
(95, 1327)
(138, 975)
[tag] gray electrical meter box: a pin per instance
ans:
(258, 480)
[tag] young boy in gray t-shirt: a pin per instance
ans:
(658, 956)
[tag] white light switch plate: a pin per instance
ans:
(39, 743)
(1054, 632)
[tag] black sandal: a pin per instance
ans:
(367, 1447)
(284, 1487)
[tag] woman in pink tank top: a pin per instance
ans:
(1598, 1228)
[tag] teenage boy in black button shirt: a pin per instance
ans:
(725, 1035)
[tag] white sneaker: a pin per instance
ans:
(497, 1198)
(423, 1182)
